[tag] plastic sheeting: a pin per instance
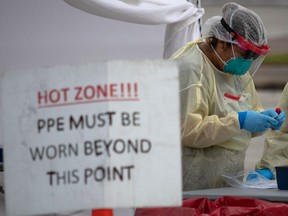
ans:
(181, 17)
(223, 206)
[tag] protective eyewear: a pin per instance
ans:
(248, 53)
(251, 50)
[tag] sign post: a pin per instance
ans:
(99, 135)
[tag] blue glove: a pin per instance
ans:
(265, 173)
(281, 117)
(255, 122)
(270, 112)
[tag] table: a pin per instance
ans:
(273, 195)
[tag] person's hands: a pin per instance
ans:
(280, 117)
(257, 175)
(270, 112)
(255, 122)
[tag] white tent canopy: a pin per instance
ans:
(180, 16)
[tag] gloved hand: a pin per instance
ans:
(265, 173)
(281, 117)
(270, 112)
(255, 122)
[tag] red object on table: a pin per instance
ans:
(223, 206)
(102, 212)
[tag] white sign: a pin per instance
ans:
(99, 135)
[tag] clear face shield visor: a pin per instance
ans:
(256, 53)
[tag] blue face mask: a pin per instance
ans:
(237, 66)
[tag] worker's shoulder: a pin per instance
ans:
(185, 50)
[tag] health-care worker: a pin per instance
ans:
(276, 144)
(220, 109)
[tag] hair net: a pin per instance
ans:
(242, 20)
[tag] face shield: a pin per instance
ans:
(252, 51)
